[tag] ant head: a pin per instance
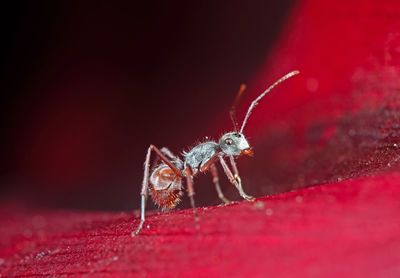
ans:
(234, 143)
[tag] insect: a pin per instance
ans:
(164, 184)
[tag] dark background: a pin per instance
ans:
(87, 86)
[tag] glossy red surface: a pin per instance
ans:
(344, 229)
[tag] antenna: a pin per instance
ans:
(233, 109)
(255, 102)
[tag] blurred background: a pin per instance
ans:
(88, 85)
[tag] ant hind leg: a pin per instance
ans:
(144, 192)
(142, 215)
(168, 153)
(145, 183)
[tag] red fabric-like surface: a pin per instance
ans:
(344, 229)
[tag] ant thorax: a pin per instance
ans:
(198, 156)
(230, 144)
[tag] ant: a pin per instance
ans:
(165, 182)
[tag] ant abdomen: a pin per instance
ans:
(165, 187)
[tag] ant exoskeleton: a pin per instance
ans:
(165, 181)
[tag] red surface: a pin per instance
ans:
(344, 229)
(336, 123)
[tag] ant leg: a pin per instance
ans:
(142, 215)
(166, 160)
(214, 173)
(145, 183)
(237, 177)
(189, 182)
(168, 153)
(144, 192)
(234, 180)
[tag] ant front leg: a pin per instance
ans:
(234, 179)
(239, 180)
(145, 183)
(214, 173)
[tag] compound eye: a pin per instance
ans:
(228, 141)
